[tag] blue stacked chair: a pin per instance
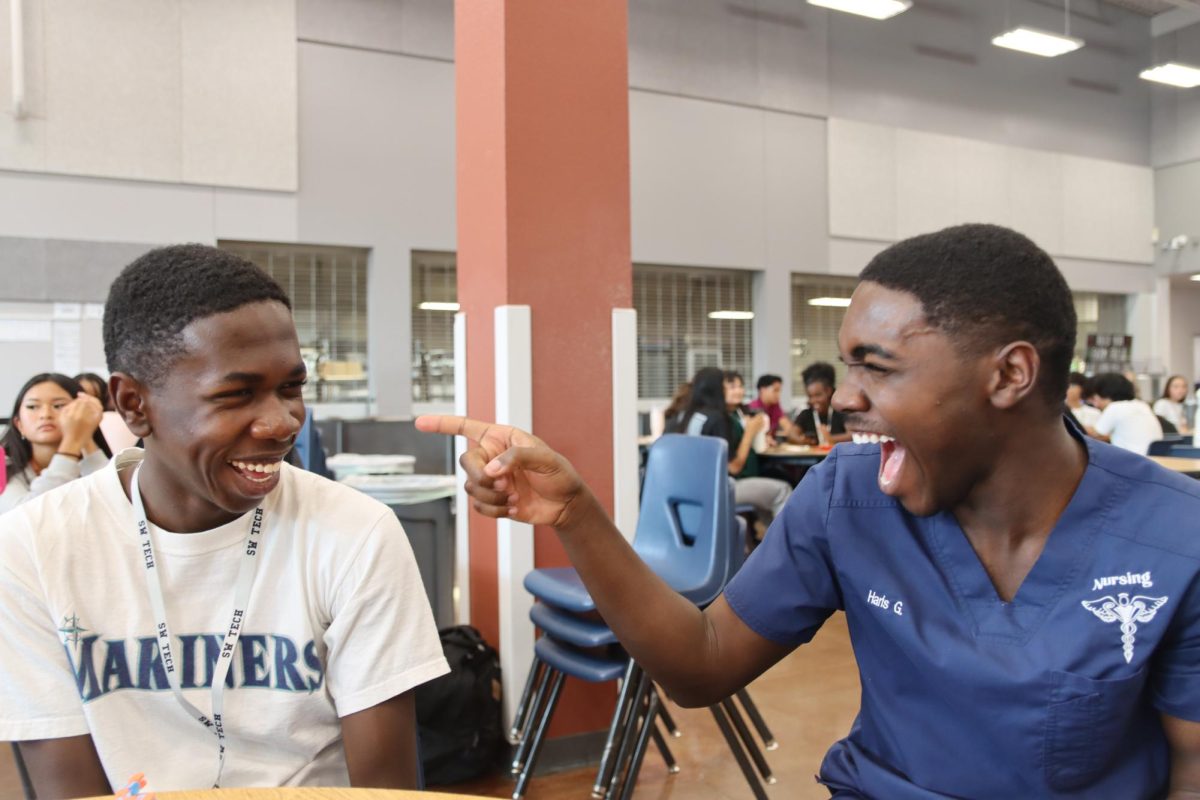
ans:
(688, 534)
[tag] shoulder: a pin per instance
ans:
(1148, 503)
(848, 477)
(312, 499)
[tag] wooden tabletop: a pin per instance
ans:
(783, 450)
(302, 793)
(1188, 466)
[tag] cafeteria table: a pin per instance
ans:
(301, 793)
(1187, 466)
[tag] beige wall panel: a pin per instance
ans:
(862, 180)
(925, 182)
(1034, 189)
(239, 93)
(112, 88)
(23, 141)
(980, 193)
(1109, 208)
(697, 182)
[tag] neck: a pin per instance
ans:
(170, 506)
(42, 453)
(1027, 489)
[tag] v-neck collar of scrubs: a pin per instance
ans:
(1057, 568)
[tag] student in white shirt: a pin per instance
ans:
(116, 615)
(1124, 421)
(1085, 415)
(1170, 405)
(53, 438)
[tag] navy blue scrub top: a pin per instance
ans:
(1056, 694)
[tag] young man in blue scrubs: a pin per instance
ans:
(1022, 600)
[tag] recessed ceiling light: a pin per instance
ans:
(875, 9)
(731, 315)
(1037, 42)
(431, 306)
(1173, 74)
(1196, 277)
(830, 302)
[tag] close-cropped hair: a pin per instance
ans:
(1111, 386)
(1077, 379)
(767, 380)
(167, 289)
(986, 286)
(820, 372)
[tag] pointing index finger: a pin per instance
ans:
(473, 429)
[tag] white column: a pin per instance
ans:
(625, 419)
(462, 508)
(514, 540)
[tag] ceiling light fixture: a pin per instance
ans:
(432, 306)
(830, 302)
(1173, 73)
(1196, 277)
(731, 315)
(875, 9)
(1038, 42)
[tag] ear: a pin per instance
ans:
(132, 400)
(1015, 369)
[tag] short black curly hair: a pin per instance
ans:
(167, 289)
(986, 286)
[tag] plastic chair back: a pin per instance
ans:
(1162, 447)
(685, 527)
(1183, 451)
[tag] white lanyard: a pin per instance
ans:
(821, 433)
(241, 598)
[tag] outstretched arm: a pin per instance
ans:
(698, 657)
(1183, 737)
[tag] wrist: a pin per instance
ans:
(578, 512)
(72, 454)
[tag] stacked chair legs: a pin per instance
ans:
(636, 717)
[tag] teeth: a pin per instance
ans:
(265, 469)
(870, 438)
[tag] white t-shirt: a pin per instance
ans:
(1171, 411)
(337, 622)
(1086, 415)
(1130, 424)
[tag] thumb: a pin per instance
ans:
(538, 458)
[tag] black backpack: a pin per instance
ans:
(458, 714)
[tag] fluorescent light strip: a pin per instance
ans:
(875, 9)
(431, 306)
(1173, 74)
(1037, 42)
(731, 315)
(830, 302)
(1196, 277)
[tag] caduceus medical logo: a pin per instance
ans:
(1129, 612)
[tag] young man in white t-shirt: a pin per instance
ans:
(297, 597)
(1126, 422)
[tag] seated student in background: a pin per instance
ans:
(53, 438)
(1023, 602)
(1170, 406)
(820, 423)
(1086, 415)
(115, 431)
(770, 390)
(119, 592)
(712, 410)
(1128, 423)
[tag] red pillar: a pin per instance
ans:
(543, 220)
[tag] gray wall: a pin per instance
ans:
(729, 142)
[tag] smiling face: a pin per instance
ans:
(819, 394)
(906, 380)
(226, 413)
(38, 417)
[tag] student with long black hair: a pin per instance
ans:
(710, 413)
(53, 437)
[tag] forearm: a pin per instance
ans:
(62, 768)
(655, 624)
(62, 469)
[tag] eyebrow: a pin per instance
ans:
(257, 377)
(863, 350)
